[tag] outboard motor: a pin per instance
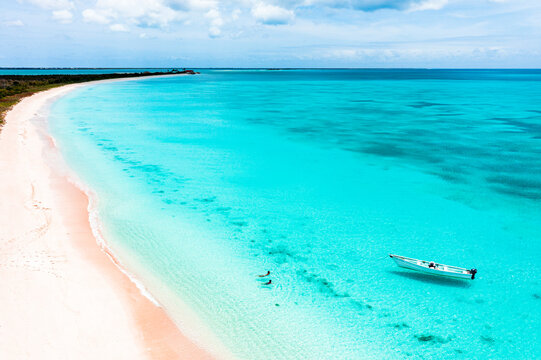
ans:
(473, 272)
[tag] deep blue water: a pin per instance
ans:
(317, 175)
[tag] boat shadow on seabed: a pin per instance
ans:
(437, 280)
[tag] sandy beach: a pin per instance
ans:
(62, 296)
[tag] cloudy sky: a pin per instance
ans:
(270, 33)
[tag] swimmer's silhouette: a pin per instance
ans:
(267, 274)
(268, 282)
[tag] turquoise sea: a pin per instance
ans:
(204, 182)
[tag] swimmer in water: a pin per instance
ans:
(268, 282)
(267, 274)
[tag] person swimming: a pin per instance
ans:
(268, 282)
(267, 274)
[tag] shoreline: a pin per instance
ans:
(64, 293)
(15, 87)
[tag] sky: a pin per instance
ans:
(273, 33)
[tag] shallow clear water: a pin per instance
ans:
(317, 175)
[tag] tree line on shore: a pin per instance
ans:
(15, 87)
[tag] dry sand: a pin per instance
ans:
(61, 296)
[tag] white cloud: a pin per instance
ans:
(63, 16)
(144, 13)
(216, 21)
(235, 14)
(119, 28)
(202, 5)
(428, 5)
(353, 29)
(215, 17)
(97, 16)
(147, 36)
(214, 32)
(271, 15)
(13, 23)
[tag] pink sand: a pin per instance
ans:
(62, 297)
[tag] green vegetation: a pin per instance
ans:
(15, 87)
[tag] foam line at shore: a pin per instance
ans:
(96, 226)
(42, 223)
(93, 217)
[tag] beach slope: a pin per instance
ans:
(62, 296)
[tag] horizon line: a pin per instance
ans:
(269, 68)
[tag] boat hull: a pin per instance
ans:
(426, 270)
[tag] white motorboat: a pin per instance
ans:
(432, 268)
